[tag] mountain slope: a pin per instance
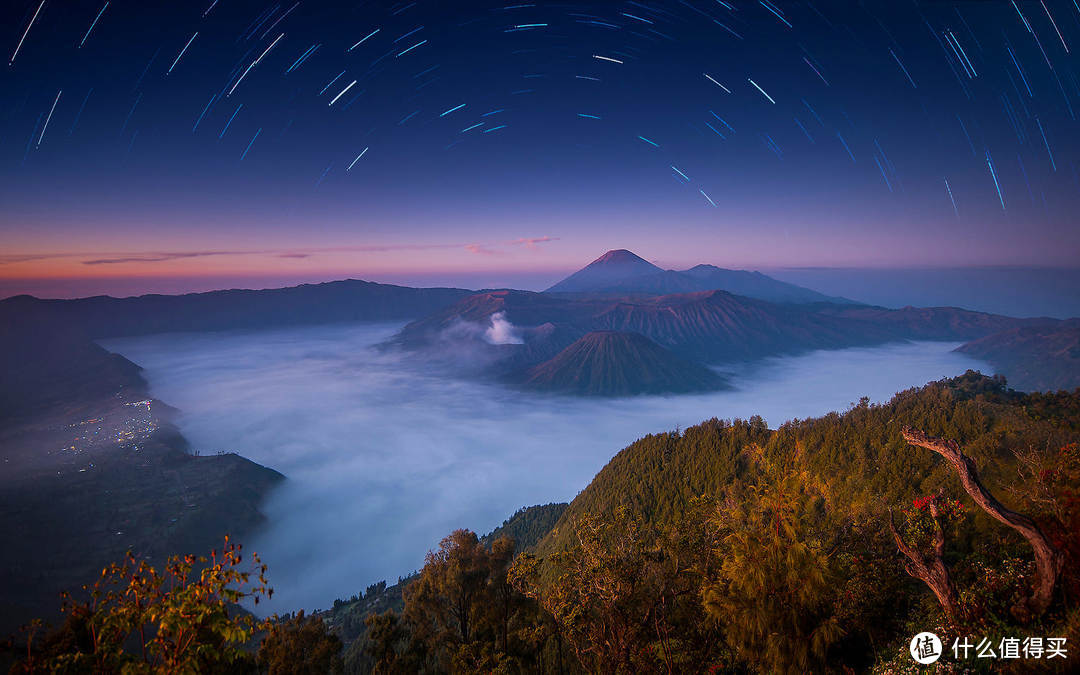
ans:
(621, 273)
(859, 454)
(715, 326)
(1034, 358)
(708, 327)
(614, 363)
(934, 323)
(607, 270)
(756, 285)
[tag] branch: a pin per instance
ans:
(936, 574)
(1048, 559)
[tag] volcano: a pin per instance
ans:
(620, 363)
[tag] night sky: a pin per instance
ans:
(452, 140)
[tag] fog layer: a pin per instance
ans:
(385, 457)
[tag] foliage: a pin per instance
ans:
(300, 645)
(773, 592)
(624, 597)
(137, 620)
(461, 614)
(528, 525)
(926, 514)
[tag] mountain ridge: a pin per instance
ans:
(621, 272)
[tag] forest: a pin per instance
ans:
(824, 545)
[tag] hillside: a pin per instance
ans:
(527, 526)
(614, 363)
(153, 498)
(859, 454)
(1036, 358)
(732, 547)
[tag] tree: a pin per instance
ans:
(1048, 558)
(301, 645)
(138, 620)
(443, 600)
(387, 645)
(614, 595)
(925, 530)
(773, 591)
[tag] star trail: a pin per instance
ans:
(197, 124)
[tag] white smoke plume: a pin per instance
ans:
(502, 332)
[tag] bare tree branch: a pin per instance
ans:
(1048, 559)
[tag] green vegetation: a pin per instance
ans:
(730, 547)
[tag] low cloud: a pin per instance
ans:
(386, 453)
(531, 243)
(161, 257)
(480, 249)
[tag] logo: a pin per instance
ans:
(925, 648)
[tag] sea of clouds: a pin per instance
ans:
(385, 453)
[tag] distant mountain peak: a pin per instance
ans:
(620, 255)
(611, 268)
(621, 272)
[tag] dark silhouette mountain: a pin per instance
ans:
(48, 363)
(606, 271)
(349, 300)
(1033, 358)
(621, 273)
(616, 363)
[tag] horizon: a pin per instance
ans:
(1011, 290)
(854, 141)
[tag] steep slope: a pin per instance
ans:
(528, 525)
(860, 454)
(607, 270)
(614, 363)
(1034, 358)
(715, 326)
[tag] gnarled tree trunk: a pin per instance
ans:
(933, 572)
(1048, 559)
